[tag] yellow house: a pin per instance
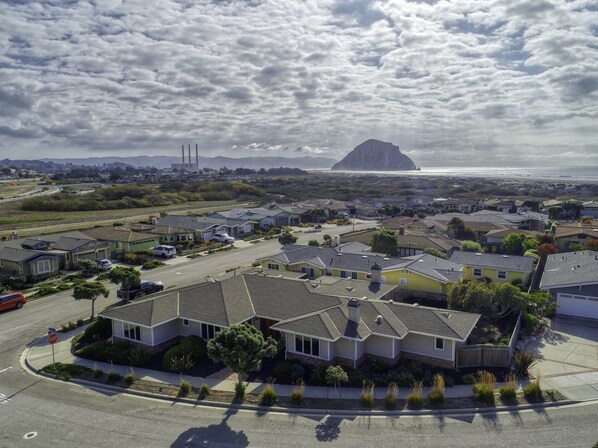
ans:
(496, 267)
(417, 273)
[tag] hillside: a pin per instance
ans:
(375, 155)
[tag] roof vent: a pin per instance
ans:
(349, 288)
(379, 319)
(319, 247)
(391, 302)
(364, 256)
(505, 256)
(416, 305)
(445, 314)
(386, 258)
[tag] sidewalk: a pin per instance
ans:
(40, 355)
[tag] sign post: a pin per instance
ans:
(52, 339)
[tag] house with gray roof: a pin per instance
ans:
(317, 324)
(268, 216)
(206, 227)
(496, 267)
(572, 279)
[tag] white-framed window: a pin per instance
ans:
(307, 346)
(344, 274)
(354, 275)
(43, 266)
(477, 272)
(402, 281)
(439, 344)
(186, 322)
(132, 331)
(274, 266)
(501, 275)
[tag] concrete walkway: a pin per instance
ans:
(39, 355)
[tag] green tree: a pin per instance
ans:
(555, 212)
(335, 375)
(90, 291)
(471, 246)
(287, 238)
(327, 240)
(458, 230)
(545, 238)
(385, 242)
(513, 244)
(506, 299)
(530, 243)
(241, 347)
(318, 213)
(575, 247)
(435, 252)
(126, 276)
(542, 304)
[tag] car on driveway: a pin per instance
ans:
(12, 300)
(104, 264)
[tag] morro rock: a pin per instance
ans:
(374, 155)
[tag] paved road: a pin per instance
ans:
(65, 415)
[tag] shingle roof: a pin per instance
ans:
(570, 268)
(110, 233)
(494, 261)
(20, 255)
(238, 299)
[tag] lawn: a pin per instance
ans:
(16, 187)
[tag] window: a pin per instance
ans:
(477, 272)
(439, 344)
(208, 331)
(307, 346)
(343, 274)
(274, 266)
(132, 332)
(186, 322)
(501, 275)
(44, 266)
(354, 275)
(403, 281)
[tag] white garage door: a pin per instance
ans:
(580, 306)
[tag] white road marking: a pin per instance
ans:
(4, 370)
(3, 399)
(30, 435)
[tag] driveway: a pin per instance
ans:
(567, 355)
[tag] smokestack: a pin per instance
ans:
(189, 154)
(183, 153)
(354, 306)
(196, 157)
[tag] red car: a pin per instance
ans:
(12, 300)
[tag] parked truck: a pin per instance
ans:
(143, 289)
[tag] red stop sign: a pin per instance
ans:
(52, 338)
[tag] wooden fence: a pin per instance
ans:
(483, 355)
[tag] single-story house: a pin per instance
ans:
(29, 263)
(205, 228)
(572, 279)
(263, 216)
(122, 239)
(316, 327)
(567, 234)
(168, 235)
(500, 268)
(419, 273)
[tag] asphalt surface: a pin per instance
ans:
(38, 412)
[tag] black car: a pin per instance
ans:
(143, 289)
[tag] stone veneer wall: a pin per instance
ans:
(148, 348)
(429, 360)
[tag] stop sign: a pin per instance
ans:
(52, 338)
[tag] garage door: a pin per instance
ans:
(580, 306)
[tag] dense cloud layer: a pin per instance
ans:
(485, 82)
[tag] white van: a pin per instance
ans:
(163, 251)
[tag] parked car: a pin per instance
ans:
(12, 300)
(223, 238)
(104, 264)
(163, 251)
(143, 289)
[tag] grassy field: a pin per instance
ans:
(16, 187)
(12, 218)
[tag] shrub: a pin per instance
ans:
(449, 381)
(64, 371)
(298, 393)
(46, 290)
(97, 373)
(204, 391)
(184, 388)
(392, 393)
(268, 396)
(129, 379)
(469, 378)
(112, 377)
(552, 394)
(240, 391)
(195, 346)
(367, 396)
(152, 264)
(484, 393)
(318, 376)
(533, 392)
(106, 351)
(404, 379)
(98, 329)
(180, 363)
(282, 370)
(297, 372)
(436, 395)
(137, 356)
(416, 399)
(313, 243)
(522, 361)
(377, 366)
(509, 391)
(80, 323)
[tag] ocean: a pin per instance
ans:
(573, 174)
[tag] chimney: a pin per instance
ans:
(14, 236)
(376, 273)
(354, 306)
(183, 153)
(402, 230)
(189, 148)
(196, 157)
(154, 220)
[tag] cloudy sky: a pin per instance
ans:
(484, 82)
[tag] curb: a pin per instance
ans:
(25, 364)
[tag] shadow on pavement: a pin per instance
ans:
(490, 421)
(212, 435)
(329, 430)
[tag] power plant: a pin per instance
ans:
(188, 166)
